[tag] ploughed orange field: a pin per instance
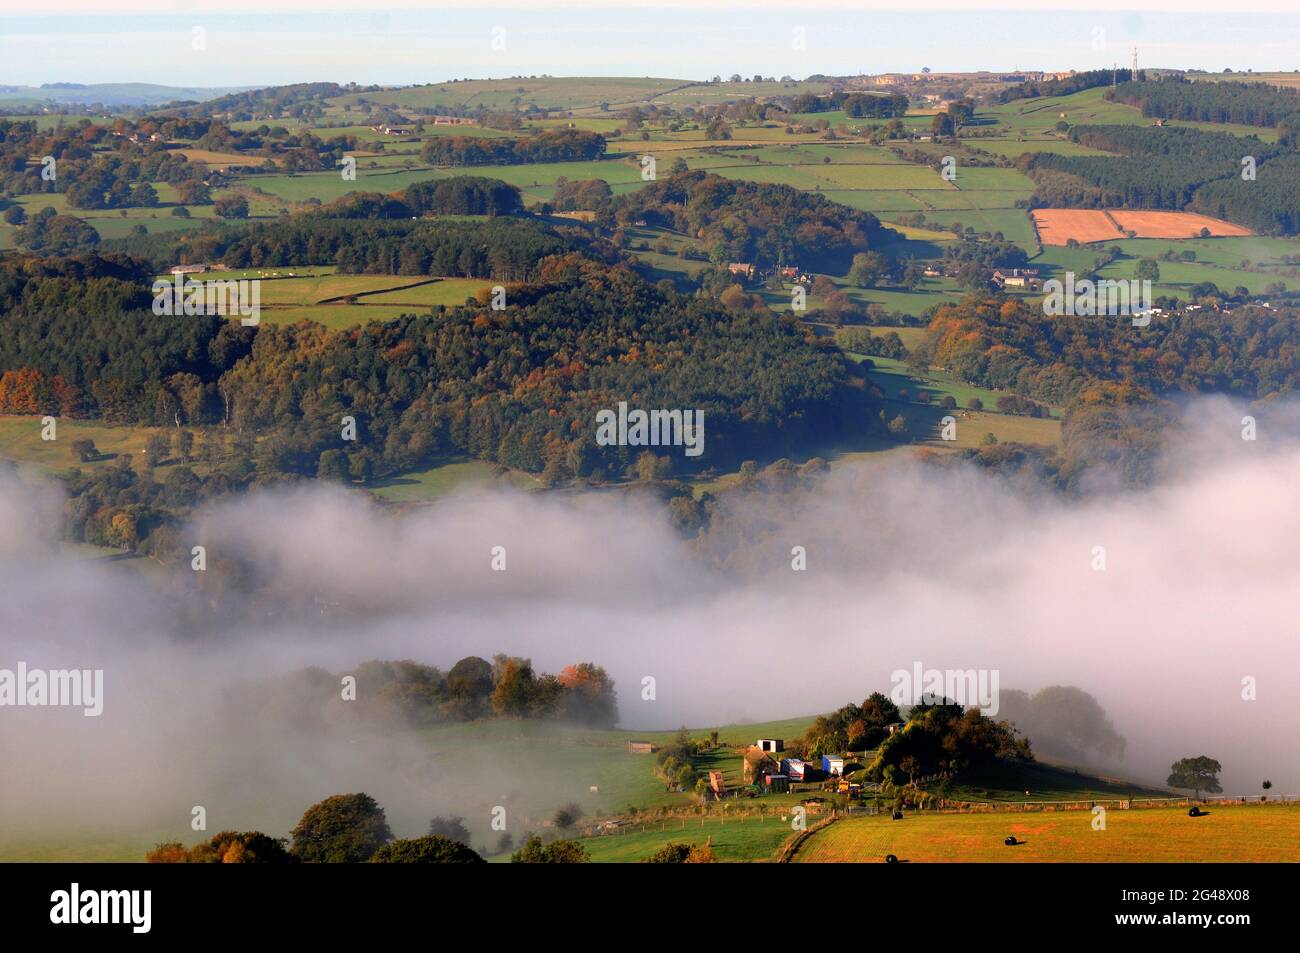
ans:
(1056, 226)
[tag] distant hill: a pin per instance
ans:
(110, 94)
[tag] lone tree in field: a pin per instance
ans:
(1199, 774)
(343, 829)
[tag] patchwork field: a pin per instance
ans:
(1057, 226)
(1256, 833)
(1152, 224)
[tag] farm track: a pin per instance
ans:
(340, 299)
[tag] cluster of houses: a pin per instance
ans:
(752, 272)
(135, 137)
(1021, 279)
(764, 767)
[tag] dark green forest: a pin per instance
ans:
(1173, 168)
(763, 224)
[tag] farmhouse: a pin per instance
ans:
(640, 747)
(195, 269)
(771, 744)
(1015, 278)
(743, 268)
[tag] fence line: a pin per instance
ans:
(687, 822)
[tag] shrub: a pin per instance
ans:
(431, 849)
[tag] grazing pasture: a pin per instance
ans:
(1254, 833)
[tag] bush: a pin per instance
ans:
(670, 854)
(431, 849)
(228, 847)
(567, 815)
(172, 852)
(558, 852)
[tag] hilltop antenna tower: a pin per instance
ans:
(1134, 74)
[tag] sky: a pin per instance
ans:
(402, 42)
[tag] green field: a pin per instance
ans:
(446, 477)
(20, 441)
(750, 839)
(1255, 833)
(892, 375)
(551, 764)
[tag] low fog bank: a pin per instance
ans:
(906, 563)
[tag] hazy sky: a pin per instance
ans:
(402, 41)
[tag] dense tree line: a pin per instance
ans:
(554, 145)
(459, 195)
(463, 195)
(521, 387)
(851, 728)
(1089, 79)
(1269, 204)
(500, 248)
(754, 222)
(856, 105)
(582, 195)
(410, 693)
(293, 100)
(47, 233)
(80, 338)
(1252, 353)
(1168, 168)
(1246, 104)
(946, 739)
